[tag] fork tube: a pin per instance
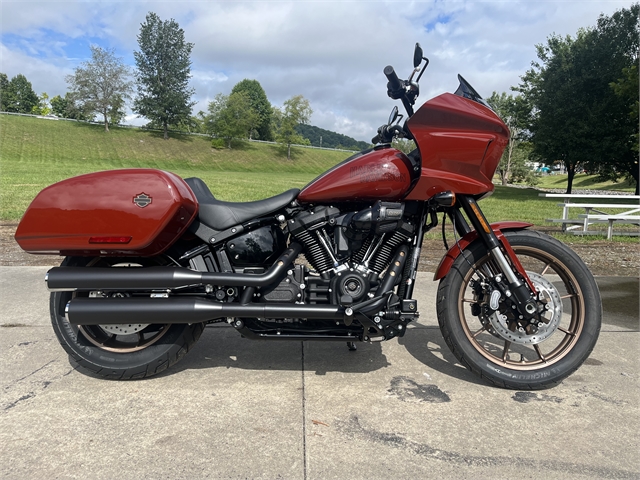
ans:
(458, 220)
(524, 301)
(415, 254)
(489, 238)
(479, 222)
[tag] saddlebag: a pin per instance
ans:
(116, 212)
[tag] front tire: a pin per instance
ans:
(119, 352)
(515, 360)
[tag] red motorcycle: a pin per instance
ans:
(152, 258)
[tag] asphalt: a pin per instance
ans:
(235, 408)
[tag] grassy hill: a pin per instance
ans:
(319, 137)
(35, 153)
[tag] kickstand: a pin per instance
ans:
(351, 346)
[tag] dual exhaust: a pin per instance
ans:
(197, 309)
(161, 278)
(115, 311)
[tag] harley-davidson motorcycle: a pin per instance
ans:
(152, 258)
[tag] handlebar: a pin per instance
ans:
(386, 134)
(396, 89)
(405, 90)
(394, 82)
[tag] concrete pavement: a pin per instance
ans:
(235, 408)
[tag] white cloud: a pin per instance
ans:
(45, 76)
(333, 53)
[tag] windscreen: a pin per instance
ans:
(467, 91)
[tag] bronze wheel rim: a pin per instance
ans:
(507, 354)
(127, 343)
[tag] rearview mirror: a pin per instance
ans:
(417, 56)
(393, 115)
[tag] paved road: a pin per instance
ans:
(236, 409)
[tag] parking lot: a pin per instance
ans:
(235, 408)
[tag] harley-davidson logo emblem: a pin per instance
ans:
(142, 200)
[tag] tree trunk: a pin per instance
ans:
(635, 174)
(166, 130)
(106, 123)
(289, 151)
(229, 144)
(507, 172)
(571, 172)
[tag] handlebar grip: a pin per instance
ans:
(394, 81)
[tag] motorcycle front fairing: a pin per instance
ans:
(460, 143)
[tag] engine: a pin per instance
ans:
(347, 253)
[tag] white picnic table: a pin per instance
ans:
(627, 210)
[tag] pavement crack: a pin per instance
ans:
(304, 416)
(353, 428)
(21, 399)
(35, 371)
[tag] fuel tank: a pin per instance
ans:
(116, 212)
(382, 173)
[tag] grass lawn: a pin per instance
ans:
(35, 153)
(583, 181)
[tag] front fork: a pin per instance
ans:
(523, 294)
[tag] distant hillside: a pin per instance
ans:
(330, 139)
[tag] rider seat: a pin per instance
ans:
(221, 215)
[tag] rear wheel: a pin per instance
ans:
(125, 351)
(498, 345)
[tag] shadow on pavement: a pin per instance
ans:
(428, 347)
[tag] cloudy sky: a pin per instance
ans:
(332, 52)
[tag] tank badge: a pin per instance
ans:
(142, 200)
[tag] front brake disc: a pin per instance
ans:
(546, 325)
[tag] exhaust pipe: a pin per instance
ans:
(154, 278)
(115, 311)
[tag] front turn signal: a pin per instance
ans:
(444, 199)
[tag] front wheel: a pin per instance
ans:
(127, 351)
(501, 347)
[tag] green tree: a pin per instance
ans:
(43, 107)
(66, 107)
(627, 89)
(198, 122)
(163, 71)
(514, 113)
(101, 84)
(615, 51)
(118, 111)
(403, 144)
(231, 116)
(295, 111)
(59, 106)
(319, 137)
(576, 115)
(20, 97)
(260, 105)
(4, 90)
(558, 123)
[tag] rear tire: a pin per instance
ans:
(518, 364)
(142, 352)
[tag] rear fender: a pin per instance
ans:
(464, 242)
